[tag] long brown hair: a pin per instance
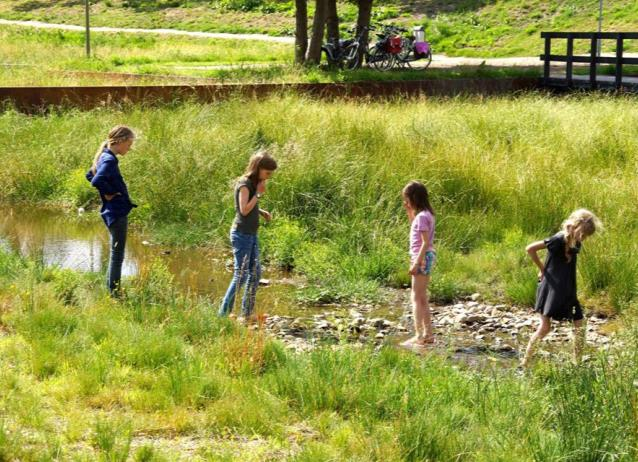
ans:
(258, 161)
(417, 196)
(118, 134)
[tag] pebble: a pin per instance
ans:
(484, 324)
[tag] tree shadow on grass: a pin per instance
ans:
(434, 7)
(31, 5)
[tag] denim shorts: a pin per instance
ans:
(428, 263)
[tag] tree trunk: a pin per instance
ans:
(301, 30)
(316, 39)
(332, 21)
(363, 19)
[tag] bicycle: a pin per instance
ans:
(414, 48)
(346, 53)
(383, 52)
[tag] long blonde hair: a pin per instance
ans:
(118, 134)
(260, 160)
(581, 219)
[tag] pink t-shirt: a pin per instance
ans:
(423, 222)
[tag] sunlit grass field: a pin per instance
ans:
(502, 172)
(158, 377)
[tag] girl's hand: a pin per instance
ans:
(261, 186)
(541, 275)
(267, 216)
(414, 269)
(109, 197)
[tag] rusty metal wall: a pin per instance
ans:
(31, 99)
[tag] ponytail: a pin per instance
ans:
(118, 134)
(97, 156)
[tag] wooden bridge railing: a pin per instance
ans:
(593, 59)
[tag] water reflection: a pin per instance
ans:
(81, 243)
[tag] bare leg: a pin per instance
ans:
(427, 315)
(417, 310)
(579, 340)
(543, 329)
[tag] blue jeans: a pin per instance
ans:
(247, 271)
(117, 242)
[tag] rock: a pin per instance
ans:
(355, 314)
(81, 210)
(146, 243)
(377, 322)
(323, 325)
(357, 322)
(380, 336)
(475, 297)
(472, 304)
(459, 306)
(470, 318)
(264, 282)
(165, 252)
(460, 319)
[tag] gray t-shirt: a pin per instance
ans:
(250, 223)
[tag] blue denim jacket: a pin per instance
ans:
(108, 180)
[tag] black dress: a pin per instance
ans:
(556, 294)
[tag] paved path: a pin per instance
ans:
(218, 35)
(439, 61)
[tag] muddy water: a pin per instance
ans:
(81, 243)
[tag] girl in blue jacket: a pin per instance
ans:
(116, 204)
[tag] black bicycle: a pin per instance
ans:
(347, 54)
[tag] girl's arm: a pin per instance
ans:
(102, 179)
(532, 250)
(245, 205)
(425, 238)
(266, 214)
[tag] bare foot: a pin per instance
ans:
(410, 341)
(426, 341)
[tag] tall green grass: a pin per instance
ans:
(46, 51)
(501, 172)
(121, 373)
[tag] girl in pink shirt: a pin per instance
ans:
(422, 256)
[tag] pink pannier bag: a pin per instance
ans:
(422, 48)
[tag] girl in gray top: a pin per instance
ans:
(243, 234)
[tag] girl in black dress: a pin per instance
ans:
(556, 294)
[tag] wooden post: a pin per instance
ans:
(619, 59)
(548, 52)
(570, 61)
(87, 37)
(593, 48)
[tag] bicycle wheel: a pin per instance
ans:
(407, 53)
(428, 59)
(380, 59)
(352, 59)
